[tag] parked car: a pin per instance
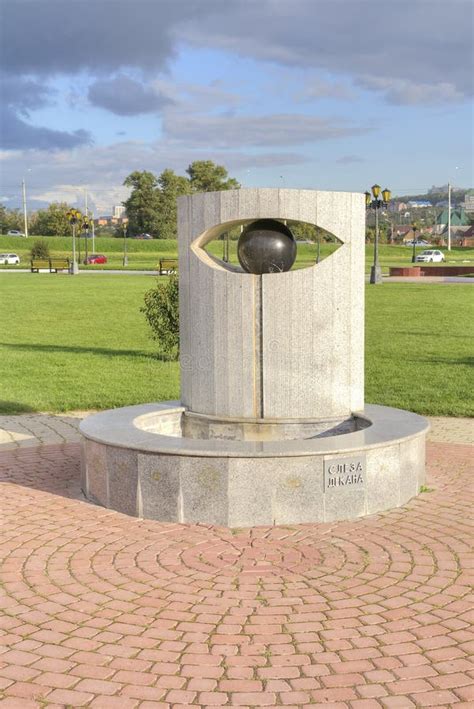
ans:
(418, 242)
(14, 232)
(96, 258)
(431, 255)
(143, 236)
(10, 259)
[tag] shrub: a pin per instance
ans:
(161, 310)
(39, 249)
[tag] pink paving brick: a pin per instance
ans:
(103, 610)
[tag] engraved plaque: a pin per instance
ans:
(347, 472)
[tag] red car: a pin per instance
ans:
(96, 258)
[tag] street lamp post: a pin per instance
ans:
(25, 211)
(93, 233)
(125, 255)
(74, 215)
(449, 216)
(413, 255)
(85, 229)
(376, 204)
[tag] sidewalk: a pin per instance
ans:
(106, 611)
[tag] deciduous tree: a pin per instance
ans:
(206, 176)
(170, 187)
(143, 204)
(52, 221)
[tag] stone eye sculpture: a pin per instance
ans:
(271, 427)
(266, 246)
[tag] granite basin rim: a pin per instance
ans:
(122, 428)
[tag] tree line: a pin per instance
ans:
(51, 221)
(150, 208)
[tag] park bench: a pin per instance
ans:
(52, 264)
(168, 265)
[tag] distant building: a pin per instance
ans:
(397, 207)
(410, 235)
(110, 221)
(458, 218)
(467, 239)
(407, 233)
(418, 203)
(438, 190)
(469, 203)
(402, 230)
(118, 210)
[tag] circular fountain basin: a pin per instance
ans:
(136, 460)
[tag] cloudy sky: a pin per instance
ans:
(329, 94)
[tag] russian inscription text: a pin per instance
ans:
(344, 471)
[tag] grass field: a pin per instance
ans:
(144, 255)
(81, 343)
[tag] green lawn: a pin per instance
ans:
(144, 255)
(81, 343)
(419, 347)
(78, 343)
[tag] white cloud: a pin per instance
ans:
(405, 92)
(102, 170)
(321, 88)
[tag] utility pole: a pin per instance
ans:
(25, 213)
(449, 216)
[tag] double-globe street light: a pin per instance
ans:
(125, 255)
(74, 217)
(86, 222)
(376, 204)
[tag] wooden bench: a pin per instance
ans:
(52, 264)
(168, 265)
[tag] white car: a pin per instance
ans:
(431, 255)
(15, 232)
(9, 259)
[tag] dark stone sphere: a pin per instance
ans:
(266, 246)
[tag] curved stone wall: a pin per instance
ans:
(136, 461)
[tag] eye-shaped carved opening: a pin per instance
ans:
(286, 245)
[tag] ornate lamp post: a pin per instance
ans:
(413, 256)
(376, 204)
(85, 229)
(74, 215)
(125, 255)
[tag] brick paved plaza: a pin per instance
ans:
(102, 610)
